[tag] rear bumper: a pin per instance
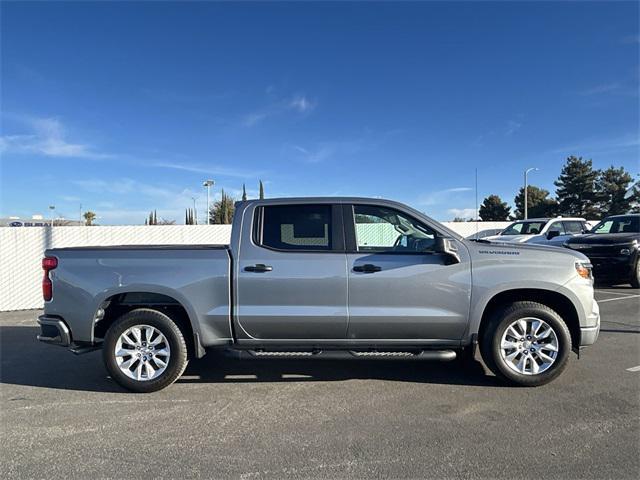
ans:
(54, 331)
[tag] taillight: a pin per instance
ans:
(48, 264)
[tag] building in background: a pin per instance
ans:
(38, 221)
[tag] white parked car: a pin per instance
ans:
(545, 231)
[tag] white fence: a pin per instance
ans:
(22, 248)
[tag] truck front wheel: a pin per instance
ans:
(635, 279)
(144, 351)
(526, 344)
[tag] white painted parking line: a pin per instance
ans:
(614, 293)
(614, 299)
(634, 369)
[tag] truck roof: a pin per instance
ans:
(341, 200)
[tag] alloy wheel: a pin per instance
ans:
(529, 346)
(142, 352)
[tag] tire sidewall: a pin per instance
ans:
(156, 319)
(635, 279)
(564, 345)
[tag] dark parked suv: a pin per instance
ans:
(612, 247)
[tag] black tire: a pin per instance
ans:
(491, 350)
(635, 279)
(177, 361)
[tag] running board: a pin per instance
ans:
(440, 355)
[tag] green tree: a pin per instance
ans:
(89, 217)
(494, 209)
(634, 197)
(153, 218)
(244, 193)
(261, 190)
(538, 203)
(223, 209)
(189, 218)
(576, 188)
(611, 186)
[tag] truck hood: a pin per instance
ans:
(509, 238)
(604, 238)
(546, 252)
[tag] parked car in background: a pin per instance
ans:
(612, 248)
(545, 231)
(323, 278)
(488, 232)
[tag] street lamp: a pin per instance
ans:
(526, 172)
(52, 208)
(208, 184)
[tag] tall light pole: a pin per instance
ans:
(52, 208)
(526, 172)
(208, 184)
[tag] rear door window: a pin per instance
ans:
(296, 227)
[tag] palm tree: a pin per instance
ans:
(89, 217)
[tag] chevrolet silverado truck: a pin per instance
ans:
(351, 278)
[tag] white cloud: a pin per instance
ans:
(47, 137)
(631, 39)
(323, 151)
(512, 127)
(300, 104)
(601, 146)
(211, 170)
(443, 196)
(252, 119)
(462, 212)
(599, 89)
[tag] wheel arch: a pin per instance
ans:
(115, 304)
(552, 299)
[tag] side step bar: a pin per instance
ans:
(440, 355)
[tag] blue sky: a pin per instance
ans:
(129, 107)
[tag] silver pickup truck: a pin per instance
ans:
(322, 277)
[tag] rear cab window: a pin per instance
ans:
(295, 227)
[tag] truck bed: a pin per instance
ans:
(195, 276)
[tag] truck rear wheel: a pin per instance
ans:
(144, 351)
(526, 344)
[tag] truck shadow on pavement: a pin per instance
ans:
(216, 368)
(25, 361)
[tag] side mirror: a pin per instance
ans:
(553, 234)
(448, 247)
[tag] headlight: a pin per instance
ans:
(584, 270)
(627, 249)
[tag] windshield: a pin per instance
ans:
(524, 228)
(630, 224)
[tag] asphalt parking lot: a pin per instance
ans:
(62, 417)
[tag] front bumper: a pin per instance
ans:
(54, 331)
(612, 268)
(589, 335)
